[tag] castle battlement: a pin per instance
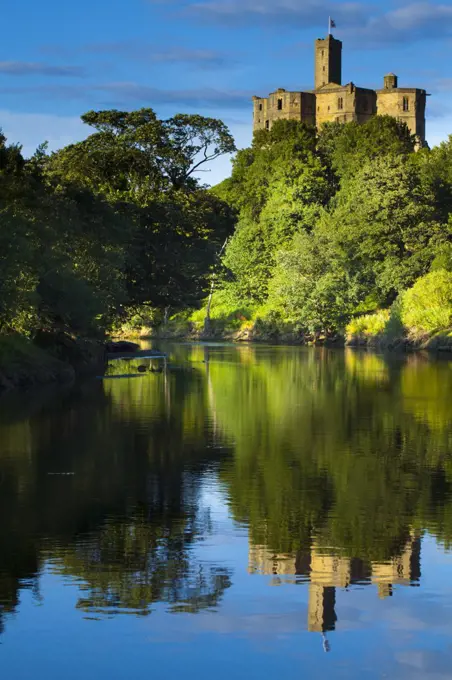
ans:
(330, 101)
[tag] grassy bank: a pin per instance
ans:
(24, 363)
(421, 318)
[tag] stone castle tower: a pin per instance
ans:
(331, 101)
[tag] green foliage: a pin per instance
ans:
(328, 225)
(133, 156)
(144, 168)
(279, 153)
(226, 316)
(369, 325)
(60, 262)
(334, 225)
(111, 223)
(249, 261)
(427, 306)
(349, 147)
(385, 224)
(435, 170)
(308, 288)
(443, 257)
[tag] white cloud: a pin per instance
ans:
(415, 22)
(364, 25)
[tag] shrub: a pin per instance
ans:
(427, 306)
(369, 325)
(226, 313)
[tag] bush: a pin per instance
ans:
(369, 325)
(427, 306)
(226, 313)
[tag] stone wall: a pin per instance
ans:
(283, 105)
(405, 104)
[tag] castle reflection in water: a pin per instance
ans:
(327, 571)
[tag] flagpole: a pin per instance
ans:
(329, 25)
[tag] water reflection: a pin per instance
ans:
(103, 485)
(336, 463)
(327, 571)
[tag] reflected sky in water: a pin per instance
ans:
(236, 511)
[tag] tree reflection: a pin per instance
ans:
(340, 461)
(104, 485)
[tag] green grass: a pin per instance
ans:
(23, 364)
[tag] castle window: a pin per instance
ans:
(324, 69)
(280, 104)
(340, 103)
(406, 104)
(260, 107)
(267, 125)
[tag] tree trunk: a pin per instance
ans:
(165, 316)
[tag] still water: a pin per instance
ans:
(243, 512)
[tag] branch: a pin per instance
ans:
(205, 160)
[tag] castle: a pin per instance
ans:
(331, 101)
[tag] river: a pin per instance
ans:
(238, 512)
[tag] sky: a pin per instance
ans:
(59, 59)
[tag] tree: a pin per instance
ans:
(279, 152)
(135, 156)
(191, 142)
(311, 285)
(144, 168)
(173, 247)
(249, 261)
(385, 224)
(435, 170)
(350, 146)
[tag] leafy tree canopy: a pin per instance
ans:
(134, 156)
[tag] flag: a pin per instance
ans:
(332, 23)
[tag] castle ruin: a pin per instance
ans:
(331, 101)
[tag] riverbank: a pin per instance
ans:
(194, 333)
(433, 342)
(259, 333)
(52, 359)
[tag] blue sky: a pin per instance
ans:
(59, 59)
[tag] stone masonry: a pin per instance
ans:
(331, 101)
